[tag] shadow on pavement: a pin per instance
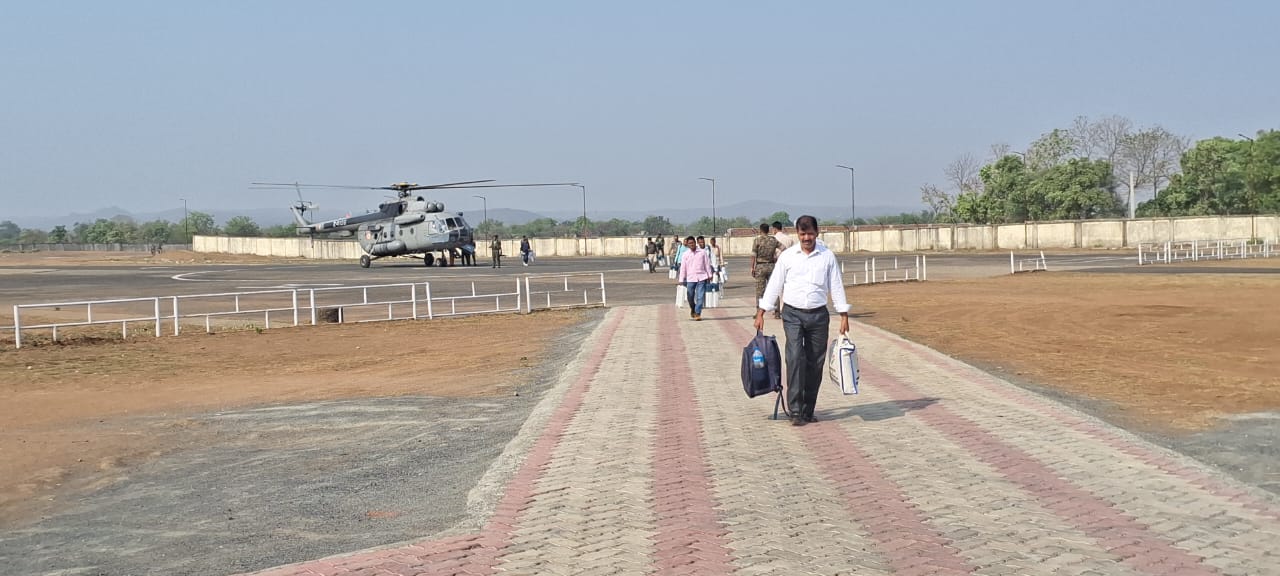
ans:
(878, 410)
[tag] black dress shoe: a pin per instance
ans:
(797, 420)
(811, 418)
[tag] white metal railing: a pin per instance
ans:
(291, 307)
(466, 305)
(554, 291)
(1196, 250)
(914, 268)
(124, 312)
(1027, 264)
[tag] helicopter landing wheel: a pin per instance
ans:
(428, 259)
(364, 261)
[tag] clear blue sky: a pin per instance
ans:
(138, 104)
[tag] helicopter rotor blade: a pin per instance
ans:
(270, 185)
(517, 185)
(435, 186)
(445, 186)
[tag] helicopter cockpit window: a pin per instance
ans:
(453, 223)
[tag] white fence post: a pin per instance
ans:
(430, 308)
(17, 328)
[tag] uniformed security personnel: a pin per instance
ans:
(764, 253)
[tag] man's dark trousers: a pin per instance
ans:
(806, 332)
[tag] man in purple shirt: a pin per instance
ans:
(695, 274)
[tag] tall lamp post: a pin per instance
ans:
(713, 203)
(853, 197)
(486, 206)
(185, 221)
(584, 208)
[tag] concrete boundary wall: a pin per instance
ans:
(1079, 234)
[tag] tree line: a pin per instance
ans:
(124, 230)
(1083, 172)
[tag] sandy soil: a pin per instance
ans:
(65, 407)
(1170, 352)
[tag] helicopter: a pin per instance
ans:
(407, 225)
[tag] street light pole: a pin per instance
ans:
(185, 221)
(853, 197)
(713, 203)
(584, 208)
(486, 206)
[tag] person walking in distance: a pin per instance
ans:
(717, 261)
(695, 274)
(805, 276)
(784, 240)
(764, 252)
(495, 248)
(661, 250)
(651, 254)
(525, 250)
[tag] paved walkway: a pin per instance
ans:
(649, 459)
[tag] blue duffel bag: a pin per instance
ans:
(761, 366)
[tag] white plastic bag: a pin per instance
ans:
(672, 274)
(682, 296)
(712, 299)
(644, 265)
(842, 364)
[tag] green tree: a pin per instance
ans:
(242, 226)
(617, 227)
(9, 232)
(1212, 182)
(779, 216)
(58, 235)
(1052, 149)
(1262, 173)
(156, 232)
(198, 223)
(1076, 189)
(78, 232)
(654, 225)
(102, 231)
(33, 236)
(1006, 193)
(280, 231)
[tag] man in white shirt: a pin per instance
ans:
(781, 234)
(805, 275)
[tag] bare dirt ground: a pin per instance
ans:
(67, 409)
(1169, 353)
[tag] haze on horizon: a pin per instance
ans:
(139, 104)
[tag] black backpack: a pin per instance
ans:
(766, 376)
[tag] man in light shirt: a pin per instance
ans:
(783, 238)
(805, 275)
(695, 275)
